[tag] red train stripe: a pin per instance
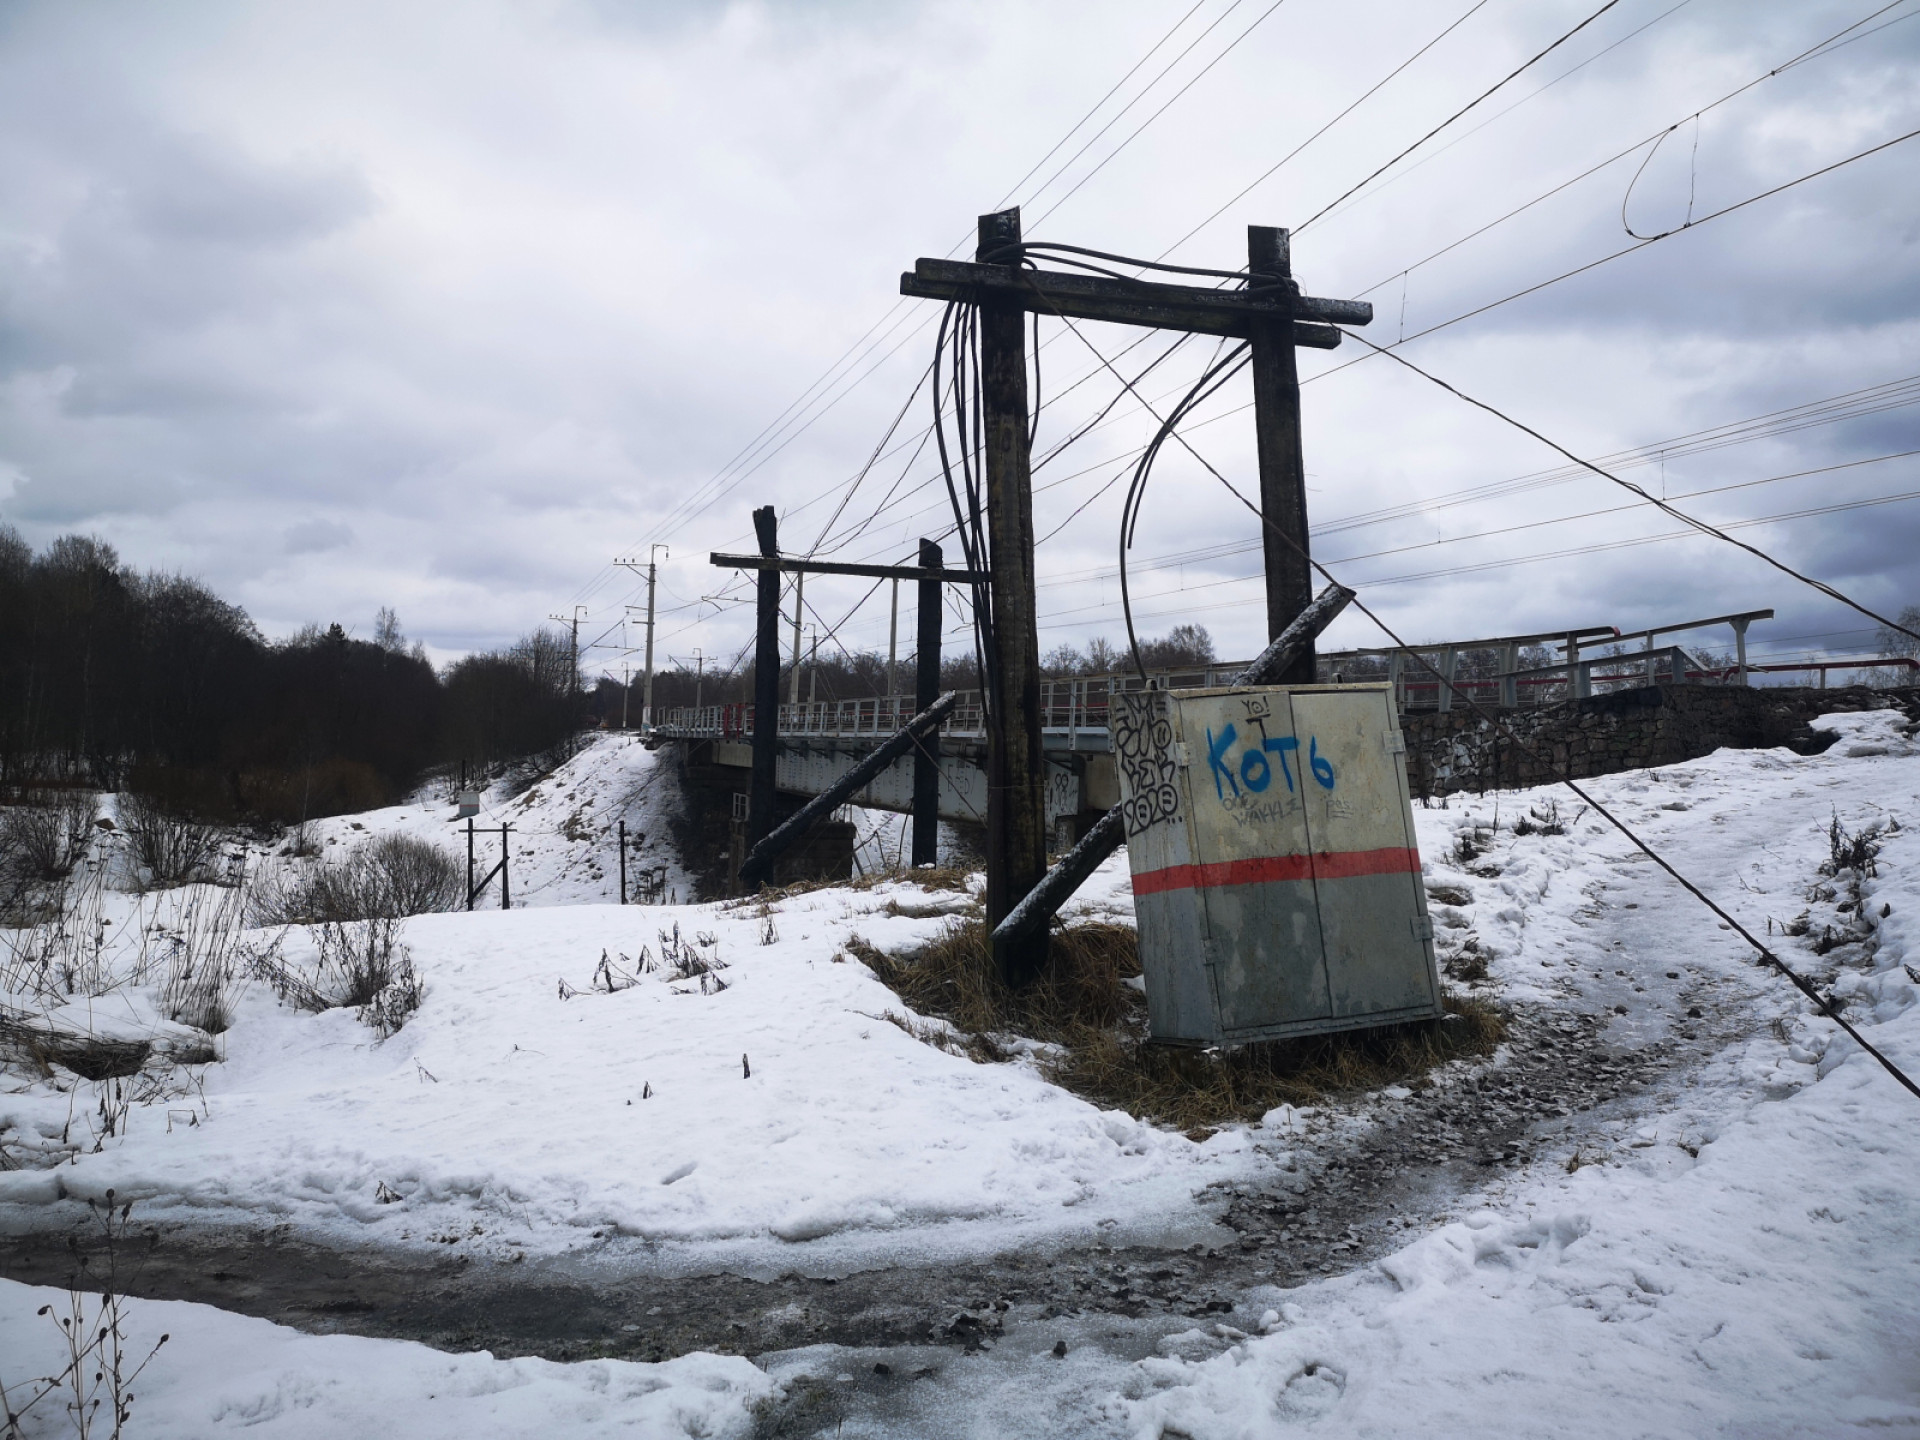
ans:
(1327, 865)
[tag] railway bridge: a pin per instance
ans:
(820, 742)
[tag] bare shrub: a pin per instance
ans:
(361, 964)
(384, 879)
(1539, 821)
(172, 848)
(420, 877)
(58, 950)
(49, 835)
(203, 955)
(41, 842)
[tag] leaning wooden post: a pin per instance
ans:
(1016, 778)
(1044, 900)
(1276, 426)
(926, 686)
(766, 682)
(759, 863)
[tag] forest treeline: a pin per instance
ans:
(124, 679)
(144, 681)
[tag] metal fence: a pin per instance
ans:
(1075, 708)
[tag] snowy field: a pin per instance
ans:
(1743, 1260)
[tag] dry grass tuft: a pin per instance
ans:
(1081, 1005)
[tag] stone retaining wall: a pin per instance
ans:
(1625, 730)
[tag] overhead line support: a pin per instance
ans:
(1270, 313)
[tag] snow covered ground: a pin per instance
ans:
(221, 1374)
(1742, 1259)
(563, 849)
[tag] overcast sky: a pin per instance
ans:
(447, 306)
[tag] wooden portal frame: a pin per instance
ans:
(1275, 318)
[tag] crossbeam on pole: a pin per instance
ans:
(1233, 313)
(790, 566)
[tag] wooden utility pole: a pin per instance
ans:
(1276, 424)
(926, 688)
(893, 643)
(766, 682)
(1016, 768)
(799, 598)
(771, 565)
(1273, 317)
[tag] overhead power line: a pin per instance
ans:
(1232, 45)
(1479, 567)
(1464, 109)
(1701, 525)
(1812, 52)
(1432, 155)
(1275, 168)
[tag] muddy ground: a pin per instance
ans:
(1568, 1076)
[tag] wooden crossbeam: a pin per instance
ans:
(835, 567)
(1232, 313)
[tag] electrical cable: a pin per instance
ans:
(1202, 554)
(1480, 567)
(854, 486)
(1211, 379)
(1275, 168)
(1499, 115)
(1615, 255)
(1805, 55)
(1484, 95)
(1702, 526)
(1812, 52)
(1095, 108)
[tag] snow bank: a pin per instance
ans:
(1744, 1263)
(522, 1107)
(223, 1374)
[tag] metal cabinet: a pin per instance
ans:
(1276, 877)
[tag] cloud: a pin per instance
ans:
(521, 288)
(310, 537)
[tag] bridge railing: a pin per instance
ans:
(1488, 671)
